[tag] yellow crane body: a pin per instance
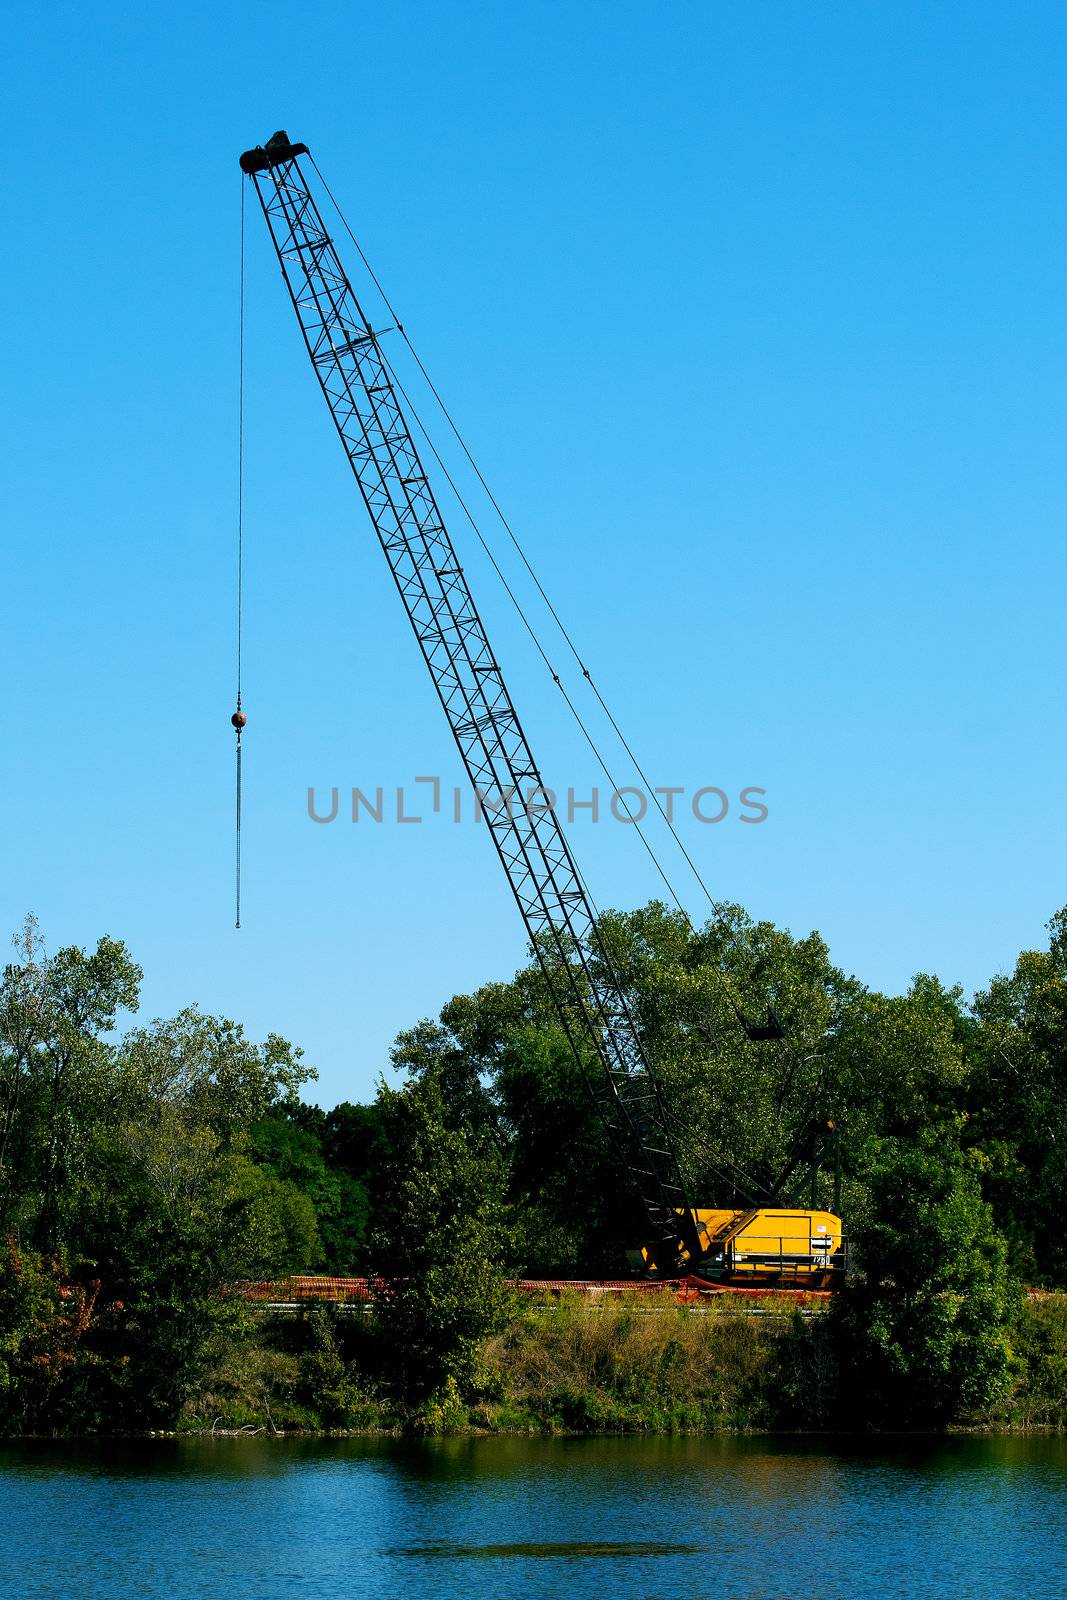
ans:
(764, 1245)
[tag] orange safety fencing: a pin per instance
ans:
(286, 1290)
(342, 1291)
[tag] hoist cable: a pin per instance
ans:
(718, 913)
(238, 719)
(720, 976)
(527, 624)
(717, 909)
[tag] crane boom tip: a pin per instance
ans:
(279, 148)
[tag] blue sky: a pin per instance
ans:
(754, 315)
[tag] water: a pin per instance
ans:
(659, 1519)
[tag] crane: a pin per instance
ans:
(587, 992)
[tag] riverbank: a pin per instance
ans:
(572, 1366)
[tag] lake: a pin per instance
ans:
(660, 1519)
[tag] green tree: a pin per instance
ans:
(56, 1077)
(921, 1329)
(735, 1107)
(328, 1383)
(31, 1341)
(287, 1148)
(441, 1241)
(350, 1137)
(172, 1220)
(207, 1070)
(1017, 1105)
(574, 1206)
(505, 1067)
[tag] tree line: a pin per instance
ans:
(147, 1170)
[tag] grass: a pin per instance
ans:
(640, 1364)
(573, 1364)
